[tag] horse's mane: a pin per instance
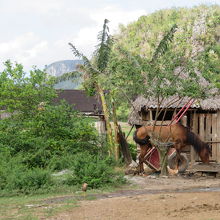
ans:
(195, 141)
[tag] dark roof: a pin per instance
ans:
(81, 101)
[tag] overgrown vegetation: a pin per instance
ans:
(147, 58)
(48, 139)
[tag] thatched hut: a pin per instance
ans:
(203, 117)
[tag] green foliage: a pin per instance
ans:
(123, 112)
(94, 170)
(16, 177)
(154, 58)
(55, 138)
(52, 131)
(104, 48)
(133, 150)
(23, 92)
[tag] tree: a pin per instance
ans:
(93, 71)
(23, 92)
(166, 73)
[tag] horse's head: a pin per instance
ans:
(205, 153)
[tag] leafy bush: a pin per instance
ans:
(52, 132)
(16, 177)
(93, 170)
(55, 138)
(133, 151)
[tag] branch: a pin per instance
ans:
(164, 43)
(86, 61)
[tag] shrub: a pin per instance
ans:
(52, 132)
(94, 170)
(15, 176)
(133, 151)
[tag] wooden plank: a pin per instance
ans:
(187, 148)
(195, 130)
(146, 123)
(202, 126)
(184, 120)
(214, 137)
(151, 115)
(218, 136)
(208, 133)
(191, 119)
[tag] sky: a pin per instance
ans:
(37, 32)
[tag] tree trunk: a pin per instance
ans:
(163, 149)
(116, 131)
(163, 152)
(106, 115)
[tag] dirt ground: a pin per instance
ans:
(179, 197)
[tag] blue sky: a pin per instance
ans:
(37, 32)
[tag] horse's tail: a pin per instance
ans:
(195, 141)
(144, 141)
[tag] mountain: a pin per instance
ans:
(59, 68)
(196, 41)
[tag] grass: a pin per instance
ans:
(35, 207)
(126, 128)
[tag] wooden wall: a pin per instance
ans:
(207, 126)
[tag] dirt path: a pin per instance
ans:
(184, 206)
(156, 198)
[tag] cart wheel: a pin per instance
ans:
(183, 162)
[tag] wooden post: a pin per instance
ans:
(151, 115)
(208, 134)
(218, 137)
(195, 130)
(184, 120)
(116, 131)
(202, 127)
(101, 126)
(214, 136)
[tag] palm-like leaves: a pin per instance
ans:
(164, 43)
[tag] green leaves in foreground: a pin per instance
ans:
(94, 170)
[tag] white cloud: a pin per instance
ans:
(86, 38)
(116, 15)
(23, 49)
(37, 32)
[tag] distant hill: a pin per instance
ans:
(59, 68)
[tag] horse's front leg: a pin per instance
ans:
(143, 152)
(178, 159)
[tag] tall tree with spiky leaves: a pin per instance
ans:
(94, 70)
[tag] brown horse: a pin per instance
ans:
(177, 133)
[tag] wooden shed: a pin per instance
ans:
(203, 118)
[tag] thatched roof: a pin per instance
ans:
(141, 103)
